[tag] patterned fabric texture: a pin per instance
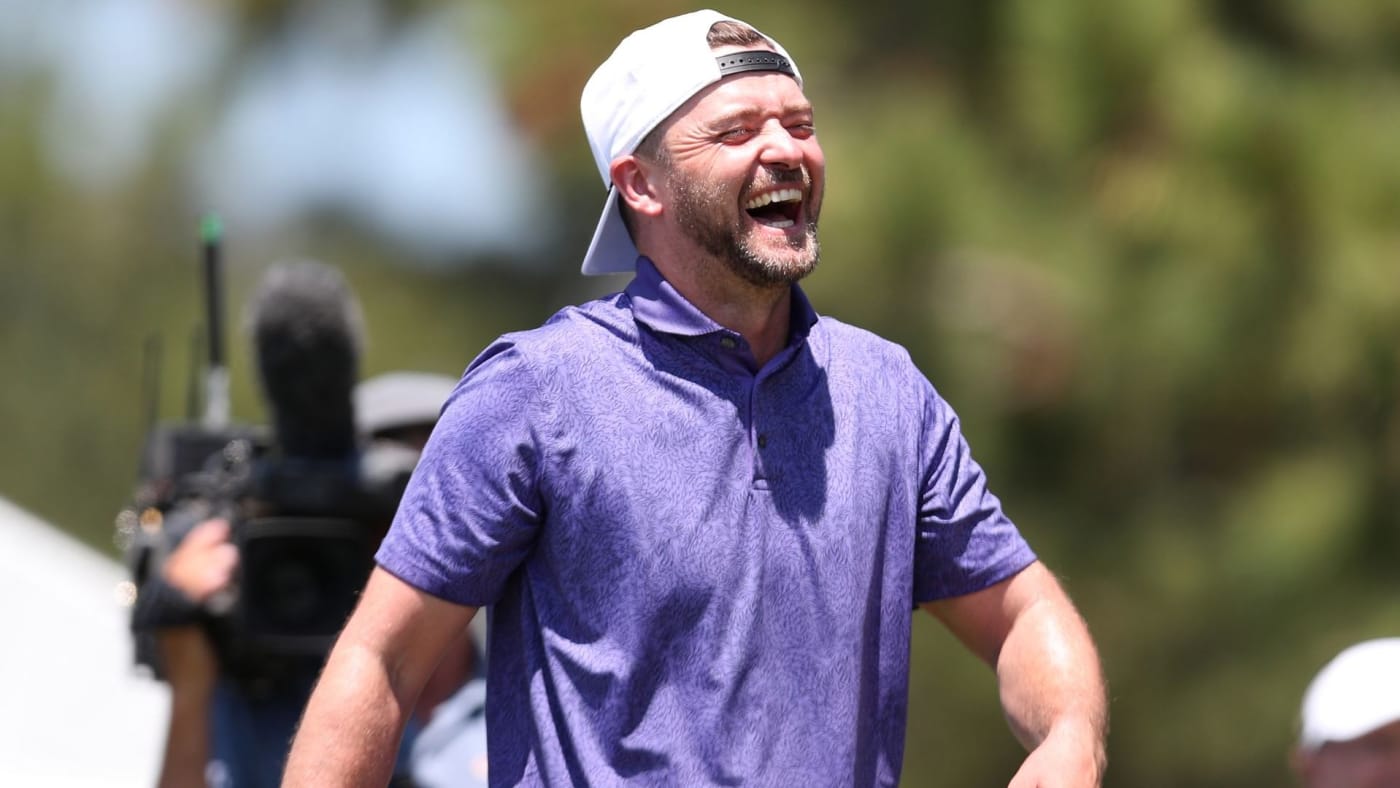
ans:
(699, 572)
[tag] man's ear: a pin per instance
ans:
(633, 178)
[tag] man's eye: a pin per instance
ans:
(736, 135)
(803, 130)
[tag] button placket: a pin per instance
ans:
(758, 439)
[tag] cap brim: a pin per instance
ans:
(612, 250)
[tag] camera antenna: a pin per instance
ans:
(216, 393)
(151, 351)
(192, 383)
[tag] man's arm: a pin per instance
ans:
(192, 670)
(1051, 684)
(201, 565)
(350, 732)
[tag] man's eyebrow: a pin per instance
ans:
(749, 113)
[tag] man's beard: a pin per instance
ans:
(700, 209)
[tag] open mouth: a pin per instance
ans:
(780, 208)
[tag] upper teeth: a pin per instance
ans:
(781, 195)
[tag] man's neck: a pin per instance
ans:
(761, 315)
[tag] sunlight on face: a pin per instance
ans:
(702, 210)
(745, 175)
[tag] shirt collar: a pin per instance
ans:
(660, 307)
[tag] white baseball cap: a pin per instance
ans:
(1354, 694)
(649, 76)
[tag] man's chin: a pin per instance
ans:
(775, 270)
(798, 254)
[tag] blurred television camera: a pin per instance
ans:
(305, 512)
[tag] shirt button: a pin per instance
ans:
(728, 343)
(763, 441)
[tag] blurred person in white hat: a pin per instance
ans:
(401, 406)
(1349, 733)
(702, 513)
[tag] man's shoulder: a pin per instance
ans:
(861, 345)
(578, 329)
(860, 362)
(579, 339)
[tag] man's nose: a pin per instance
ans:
(780, 147)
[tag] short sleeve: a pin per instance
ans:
(471, 510)
(964, 542)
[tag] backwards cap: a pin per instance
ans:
(1356, 693)
(649, 76)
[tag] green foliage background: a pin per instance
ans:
(1148, 250)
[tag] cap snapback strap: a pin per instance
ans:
(754, 60)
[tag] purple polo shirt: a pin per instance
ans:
(699, 573)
